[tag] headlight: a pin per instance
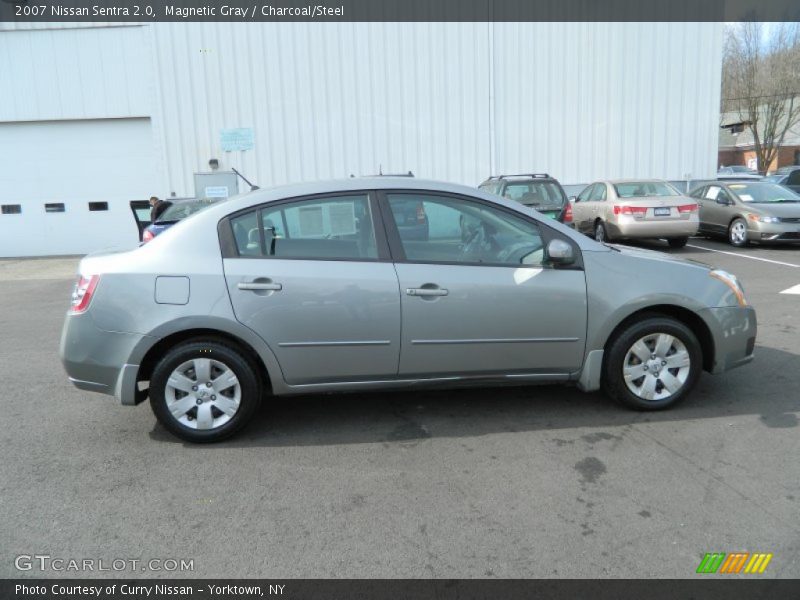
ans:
(732, 282)
(763, 218)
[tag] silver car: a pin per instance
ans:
(319, 288)
(749, 211)
(635, 209)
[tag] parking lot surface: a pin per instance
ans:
(501, 482)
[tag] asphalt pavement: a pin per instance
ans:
(501, 482)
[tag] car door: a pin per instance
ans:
(313, 278)
(582, 210)
(478, 297)
(141, 215)
(714, 209)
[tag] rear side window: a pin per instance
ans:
(598, 192)
(332, 228)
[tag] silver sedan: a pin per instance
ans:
(636, 209)
(329, 287)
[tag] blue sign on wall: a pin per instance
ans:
(242, 138)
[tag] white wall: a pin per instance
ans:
(451, 101)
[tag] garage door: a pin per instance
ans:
(65, 186)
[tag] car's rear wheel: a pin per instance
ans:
(600, 233)
(677, 242)
(203, 391)
(737, 233)
(652, 364)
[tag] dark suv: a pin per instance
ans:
(536, 190)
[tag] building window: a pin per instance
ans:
(11, 209)
(93, 206)
(54, 207)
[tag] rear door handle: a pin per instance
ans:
(426, 292)
(257, 286)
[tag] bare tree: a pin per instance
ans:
(761, 83)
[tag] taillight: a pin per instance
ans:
(421, 216)
(147, 236)
(687, 208)
(568, 213)
(630, 210)
(83, 292)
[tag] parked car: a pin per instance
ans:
(786, 176)
(749, 211)
(740, 170)
(538, 191)
(177, 211)
(206, 323)
(635, 209)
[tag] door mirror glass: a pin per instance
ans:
(560, 252)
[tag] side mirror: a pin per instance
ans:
(560, 252)
(723, 201)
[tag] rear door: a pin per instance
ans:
(477, 296)
(714, 209)
(312, 276)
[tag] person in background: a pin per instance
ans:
(157, 207)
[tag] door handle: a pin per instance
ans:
(259, 286)
(426, 291)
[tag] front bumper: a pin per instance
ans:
(773, 232)
(733, 330)
(100, 361)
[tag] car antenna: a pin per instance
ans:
(253, 188)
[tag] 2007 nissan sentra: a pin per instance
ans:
(320, 287)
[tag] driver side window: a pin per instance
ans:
(454, 230)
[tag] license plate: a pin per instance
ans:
(661, 212)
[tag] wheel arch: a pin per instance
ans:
(270, 379)
(680, 313)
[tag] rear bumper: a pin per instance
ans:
(99, 361)
(733, 330)
(629, 227)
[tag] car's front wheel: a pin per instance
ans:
(737, 233)
(203, 391)
(652, 364)
(600, 233)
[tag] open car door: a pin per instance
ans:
(141, 214)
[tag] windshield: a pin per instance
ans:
(637, 189)
(176, 212)
(763, 192)
(537, 194)
(739, 169)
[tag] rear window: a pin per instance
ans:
(536, 194)
(637, 189)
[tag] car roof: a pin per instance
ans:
(616, 181)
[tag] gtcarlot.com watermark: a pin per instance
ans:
(47, 563)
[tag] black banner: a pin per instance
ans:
(400, 589)
(397, 10)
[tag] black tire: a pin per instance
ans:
(600, 232)
(733, 239)
(617, 350)
(677, 242)
(248, 380)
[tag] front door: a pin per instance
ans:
(313, 280)
(477, 295)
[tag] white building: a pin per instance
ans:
(118, 112)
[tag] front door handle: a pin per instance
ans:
(423, 291)
(259, 286)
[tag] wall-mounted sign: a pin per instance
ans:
(242, 138)
(216, 191)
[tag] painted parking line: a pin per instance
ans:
(775, 262)
(795, 289)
